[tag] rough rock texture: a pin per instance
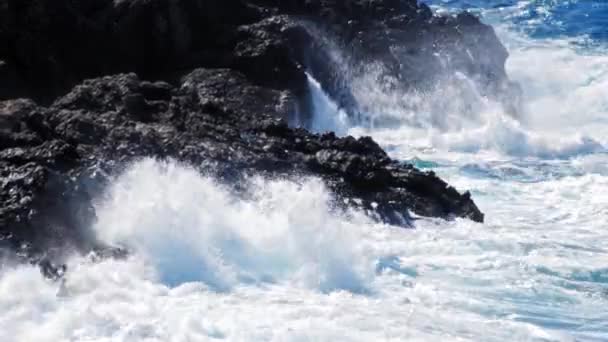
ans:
(54, 159)
(405, 40)
(53, 45)
(211, 83)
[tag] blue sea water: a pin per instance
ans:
(283, 266)
(542, 18)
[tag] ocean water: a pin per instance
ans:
(283, 265)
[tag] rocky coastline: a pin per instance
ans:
(89, 86)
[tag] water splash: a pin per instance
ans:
(455, 118)
(281, 265)
(192, 229)
(327, 115)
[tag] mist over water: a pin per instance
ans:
(563, 112)
(282, 264)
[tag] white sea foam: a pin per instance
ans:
(194, 230)
(281, 266)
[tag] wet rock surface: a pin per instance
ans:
(208, 83)
(55, 159)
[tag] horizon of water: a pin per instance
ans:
(285, 266)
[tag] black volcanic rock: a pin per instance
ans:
(52, 45)
(213, 84)
(11, 85)
(404, 39)
(55, 159)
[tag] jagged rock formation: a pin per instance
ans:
(52, 45)
(213, 85)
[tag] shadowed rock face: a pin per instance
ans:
(53, 45)
(405, 40)
(214, 83)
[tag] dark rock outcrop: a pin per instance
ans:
(403, 38)
(211, 83)
(55, 159)
(53, 45)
